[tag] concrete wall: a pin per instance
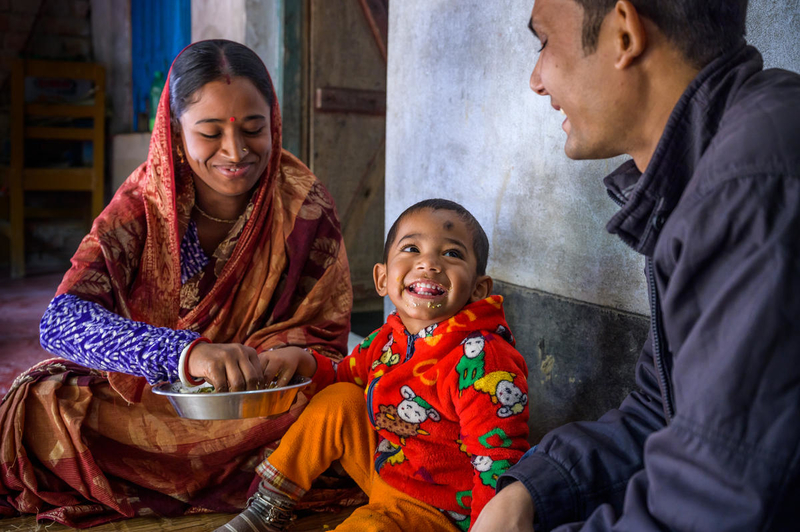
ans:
(255, 23)
(463, 124)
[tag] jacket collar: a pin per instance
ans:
(648, 198)
(484, 315)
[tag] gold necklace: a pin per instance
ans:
(212, 218)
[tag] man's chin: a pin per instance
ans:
(578, 151)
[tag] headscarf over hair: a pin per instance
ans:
(285, 283)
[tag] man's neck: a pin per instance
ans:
(670, 76)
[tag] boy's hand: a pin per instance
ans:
(280, 365)
(228, 367)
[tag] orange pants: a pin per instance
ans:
(335, 426)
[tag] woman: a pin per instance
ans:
(220, 248)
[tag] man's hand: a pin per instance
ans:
(511, 510)
(229, 367)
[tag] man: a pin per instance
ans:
(710, 440)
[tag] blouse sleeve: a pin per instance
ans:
(89, 334)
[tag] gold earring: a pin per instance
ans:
(179, 152)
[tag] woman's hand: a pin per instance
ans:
(281, 364)
(228, 367)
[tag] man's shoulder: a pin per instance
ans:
(759, 131)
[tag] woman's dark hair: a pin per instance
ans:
(214, 60)
(701, 29)
(480, 242)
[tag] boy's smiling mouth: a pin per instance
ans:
(426, 289)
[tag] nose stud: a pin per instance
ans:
(244, 150)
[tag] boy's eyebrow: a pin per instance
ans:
(417, 235)
(456, 242)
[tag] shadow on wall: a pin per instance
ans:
(581, 358)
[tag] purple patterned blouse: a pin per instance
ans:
(95, 337)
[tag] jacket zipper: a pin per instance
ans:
(658, 348)
(370, 390)
(410, 348)
(655, 327)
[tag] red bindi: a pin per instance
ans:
(233, 119)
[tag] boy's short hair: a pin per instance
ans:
(480, 243)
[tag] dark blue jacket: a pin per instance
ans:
(711, 439)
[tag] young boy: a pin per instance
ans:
(446, 393)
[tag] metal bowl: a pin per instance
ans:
(231, 405)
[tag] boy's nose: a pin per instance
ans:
(429, 262)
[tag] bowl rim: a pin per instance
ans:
(160, 389)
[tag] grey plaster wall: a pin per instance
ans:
(255, 23)
(462, 123)
(111, 42)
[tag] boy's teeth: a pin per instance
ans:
(426, 289)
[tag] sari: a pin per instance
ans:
(83, 447)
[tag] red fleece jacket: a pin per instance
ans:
(450, 405)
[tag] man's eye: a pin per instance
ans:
(453, 253)
(410, 249)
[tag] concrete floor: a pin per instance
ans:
(22, 303)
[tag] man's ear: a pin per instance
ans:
(483, 288)
(379, 276)
(630, 35)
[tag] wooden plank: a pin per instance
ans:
(367, 190)
(16, 194)
(377, 14)
(188, 523)
(59, 133)
(344, 100)
(58, 179)
(71, 111)
(63, 69)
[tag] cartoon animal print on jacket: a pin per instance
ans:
(471, 365)
(500, 385)
(404, 420)
(489, 470)
(388, 357)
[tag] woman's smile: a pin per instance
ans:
(234, 171)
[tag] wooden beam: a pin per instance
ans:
(377, 15)
(343, 100)
(58, 178)
(72, 111)
(59, 133)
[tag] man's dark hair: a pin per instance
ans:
(701, 29)
(214, 60)
(480, 242)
